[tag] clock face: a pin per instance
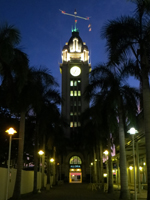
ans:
(75, 71)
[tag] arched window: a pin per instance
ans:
(75, 160)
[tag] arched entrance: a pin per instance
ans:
(75, 170)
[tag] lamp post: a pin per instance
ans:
(11, 132)
(51, 161)
(58, 172)
(106, 154)
(41, 154)
(96, 171)
(132, 132)
(90, 171)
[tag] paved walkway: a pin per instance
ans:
(73, 192)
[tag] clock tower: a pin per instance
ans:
(75, 70)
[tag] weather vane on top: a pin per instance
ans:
(75, 16)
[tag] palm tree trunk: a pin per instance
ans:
(124, 193)
(98, 163)
(35, 168)
(48, 171)
(146, 106)
(110, 178)
(35, 159)
(95, 167)
(101, 166)
(43, 162)
(17, 190)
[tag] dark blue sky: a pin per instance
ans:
(45, 30)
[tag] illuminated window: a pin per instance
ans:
(75, 124)
(79, 124)
(75, 103)
(71, 113)
(71, 83)
(71, 93)
(79, 93)
(75, 160)
(75, 93)
(79, 103)
(79, 81)
(71, 124)
(75, 83)
(75, 113)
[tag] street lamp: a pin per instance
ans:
(132, 132)
(106, 154)
(52, 171)
(41, 154)
(11, 132)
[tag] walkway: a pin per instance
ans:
(73, 192)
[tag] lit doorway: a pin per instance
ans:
(75, 177)
(75, 170)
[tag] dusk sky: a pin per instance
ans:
(45, 30)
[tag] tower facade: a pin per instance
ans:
(75, 70)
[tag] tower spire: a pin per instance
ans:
(75, 27)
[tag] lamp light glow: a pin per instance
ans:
(140, 168)
(132, 131)
(41, 152)
(52, 160)
(106, 152)
(11, 131)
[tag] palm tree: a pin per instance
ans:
(19, 104)
(129, 36)
(91, 133)
(20, 84)
(45, 99)
(13, 69)
(13, 61)
(30, 97)
(98, 120)
(105, 116)
(48, 119)
(109, 129)
(121, 97)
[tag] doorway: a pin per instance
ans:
(75, 177)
